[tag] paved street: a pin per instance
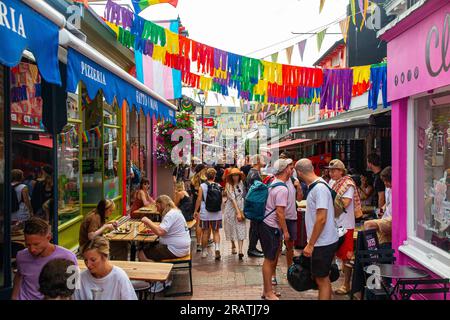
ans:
(230, 278)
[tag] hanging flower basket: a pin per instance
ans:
(164, 131)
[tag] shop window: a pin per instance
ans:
(69, 173)
(101, 150)
(25, 96)
(432, 214)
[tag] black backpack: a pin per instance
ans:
(15, 203)
(213, 199)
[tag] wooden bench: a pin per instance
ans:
(182, 263)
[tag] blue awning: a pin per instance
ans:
(23, 28)
(96, 77)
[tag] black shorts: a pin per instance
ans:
(270, 239)
(292, 229)
(157, 252)
(321, 260)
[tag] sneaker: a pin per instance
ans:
(255, 253)
(204, 254)
(210, 242)
(168, 283)
(157, 287)
(199, 248)
(217, 254)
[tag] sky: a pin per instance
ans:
(245, 27)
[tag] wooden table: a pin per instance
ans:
(147, 211)
(113, 236)
(145, 271)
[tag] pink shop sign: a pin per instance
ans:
(419, 59)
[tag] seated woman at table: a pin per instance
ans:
(112, 282)
(142, 198)
(384, 225)
(174, 239)
(93, 224)
(183, 201)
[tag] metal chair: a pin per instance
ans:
(369, 257)
(141, 288)
(407, 292)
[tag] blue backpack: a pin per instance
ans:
(256, 199)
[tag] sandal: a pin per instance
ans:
(274, 281)
(278, 294)
(342, 291)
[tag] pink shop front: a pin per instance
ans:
(418, 48)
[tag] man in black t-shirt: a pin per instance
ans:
(374, 165)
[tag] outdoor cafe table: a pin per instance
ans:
(397, 272)
(148, 211)
(131, 236)
(144, 271)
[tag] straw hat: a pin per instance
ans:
(235, 171)
(337, 164)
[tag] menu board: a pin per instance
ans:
(26, 98)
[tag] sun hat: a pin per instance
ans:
(336, 164)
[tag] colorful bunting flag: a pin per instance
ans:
(140, 5)
(322, 2)
(301, 48)
(274, 57)
(320, 37)
(353, 8)
(344, 24)
(289, 53)
(364, 12)
(85, 2)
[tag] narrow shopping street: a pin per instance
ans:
(231, 279)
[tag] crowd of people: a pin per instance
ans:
(215, 203)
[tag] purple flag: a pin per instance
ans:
(301, 48)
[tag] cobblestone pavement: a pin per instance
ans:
(230, 279)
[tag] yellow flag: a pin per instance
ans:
(344, 24)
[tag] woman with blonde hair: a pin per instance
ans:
(233, 217)
(174, 239)
(102, 280)
(183, 201)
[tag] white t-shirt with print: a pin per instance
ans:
(177, 238)
(320, 198)
(347, 219)
(116, 286)
(291, 209)
(388, 211)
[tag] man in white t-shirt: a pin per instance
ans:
(345, 186)
(320, 227)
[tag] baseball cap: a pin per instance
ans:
(281, 164)
(336, 164)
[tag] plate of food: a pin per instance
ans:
(146, 232)
(122, 230)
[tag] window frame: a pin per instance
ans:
(430, 256)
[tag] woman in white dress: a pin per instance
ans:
(234, 220)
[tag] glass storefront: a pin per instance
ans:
(137, 148)
(101, 142)
(432, 213)
(69, 173)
